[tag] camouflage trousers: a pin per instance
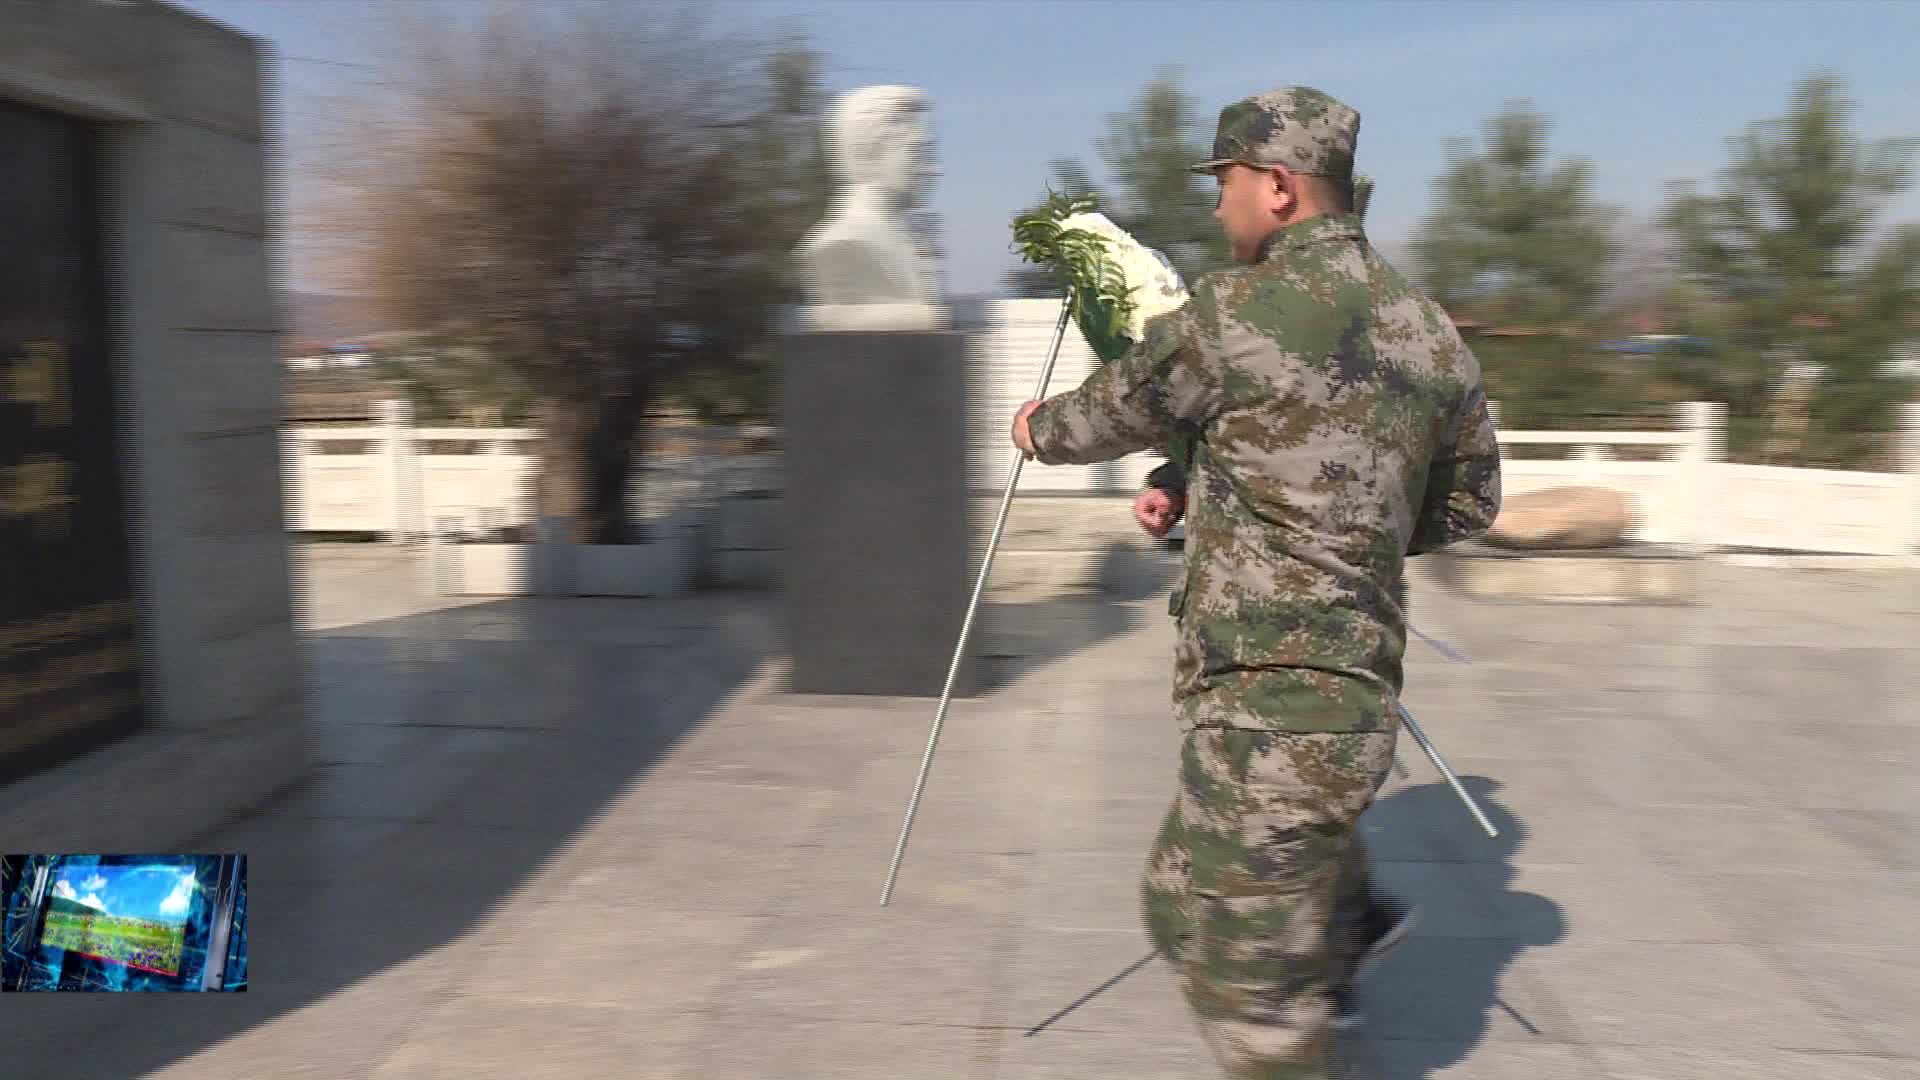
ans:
(1252, 886)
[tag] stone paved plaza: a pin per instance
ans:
(590, 838)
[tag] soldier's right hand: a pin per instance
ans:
(1157, 510)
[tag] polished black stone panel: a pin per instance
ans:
(879, 555)
(71, 658)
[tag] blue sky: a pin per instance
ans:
(140, 892)
(1648, 91)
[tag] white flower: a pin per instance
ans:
(1155, 285)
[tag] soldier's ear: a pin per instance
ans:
(1286, 187)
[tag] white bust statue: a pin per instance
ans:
(862, 266)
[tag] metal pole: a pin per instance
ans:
(1413, 728)
(973, 606)
(1419, 736)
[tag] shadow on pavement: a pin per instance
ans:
(1091, 994)
(1435, 999)
(457, 752)
(1018, 637)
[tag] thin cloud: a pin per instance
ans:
(176, 901)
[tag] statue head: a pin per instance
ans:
(877, 137)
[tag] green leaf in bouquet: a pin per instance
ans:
(1104, 330)
(1100, 301)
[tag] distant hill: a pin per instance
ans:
(62, 905)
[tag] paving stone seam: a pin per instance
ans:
(1777, 965)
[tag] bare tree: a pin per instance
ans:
(576, 196)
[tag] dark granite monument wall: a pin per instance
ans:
(70, 660)
(879, 559)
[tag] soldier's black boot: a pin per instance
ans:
(1382, 925)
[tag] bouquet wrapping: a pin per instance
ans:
(1152, 285)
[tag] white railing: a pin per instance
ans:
(1671, 496)
(1692, 496)
(394, 480)
(480, 477)
(401, 481)
(340, 479)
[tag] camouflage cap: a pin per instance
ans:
(1303, 129)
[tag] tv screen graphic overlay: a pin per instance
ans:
(132, 915)
(123, 922)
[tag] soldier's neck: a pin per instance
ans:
(1293, 227)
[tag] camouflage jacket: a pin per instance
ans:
(1335, 423)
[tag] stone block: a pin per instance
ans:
(244, 679)
(876, 451)
(235, 484)
(250, 589)
(230, 287)
(1563, 518)
(215, 180)
(187, 253)
(227, 383)
(483, 569)
(661, 567)
(75, 57)
(204, 74)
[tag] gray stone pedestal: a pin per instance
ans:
(879, 546)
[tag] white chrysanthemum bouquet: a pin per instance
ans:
(1153, 285)
(1115, 282)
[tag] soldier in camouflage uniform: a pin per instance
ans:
(1368, 923)
(1335, 423)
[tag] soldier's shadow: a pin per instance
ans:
(1443, 991)
(1019, 637)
